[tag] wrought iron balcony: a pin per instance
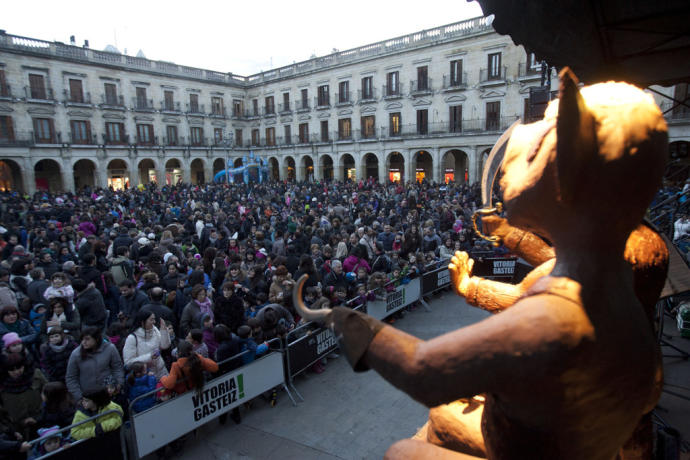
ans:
(366, 97)
(392, 92)
(493, 77)
(345, 136)
(527, 72)
(284, 108)
(342, 99)
(269, 111)
(322, 102)
(420, 87)
(120, 140)
(16, 139)
(76, 138)
(5, 91)
(142, 105)
(302, 106)
(44, 95)
(147, 140)
(54, 138)
(76, 99)
(217, 112)
(112, 102)
(456, 83)
(173, 141)
(171, 107)
(196, 109)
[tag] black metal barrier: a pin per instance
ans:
(436, 279)
(495, 268)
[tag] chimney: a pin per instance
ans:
(72, 40)
(86, 43)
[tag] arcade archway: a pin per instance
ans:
(454, 167)
(371, 166)
(274, 169)
(218, 166)
(197, 171)
(118, 175)
(48, 176)
(147, 171)
(307, 168)
(173, 171)
(84, 172)
(289, 169)
(424, 166)
(348, 164)
(396, 167)
(326, 167)
(10, 176)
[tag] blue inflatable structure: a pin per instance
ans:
(252, 169)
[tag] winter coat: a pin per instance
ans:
(91, 308)
(229, 312)
(27, 334)
(227, 349)
(129, 306)
(89, 374)
(25, 401)
(110, 422)
(35, 291)
(7, 295)
(71, 323)
(277, 288)
(141, 344)
(142, 385)
(177, 372)
(54, 359)
(352, 263)
(191, 317)
(254, 349)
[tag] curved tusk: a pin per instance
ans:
(303, 310)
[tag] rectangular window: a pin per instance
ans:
(394, 124)
(368, 126)
(324, 130)
(532, 63)
(393, 84)
(110, 93)
(115, 133)
(286, 102)
(322, 97)
(288, 134)
(368, 88)
(344, 92)
(305, 98)
(345, 128)
(238, 137)
(271, 136)
(304, 133)
(494, 62)
(194, 103)
(493, 113)
(4, 89)
(455, 119)
(168, 100)
(38, 86)
(270, 106)
(255, 107)
(218, 136)
(456, 72)
(237, 108)
(44, 132)
(422, 78)
(680, 93)
(197, 135)
(6, 129)
(256, 137)
(217, 106)
(422, 121)
(76, 92)
(145, 134)
(171, 134)
(81, 132)
(142, 103)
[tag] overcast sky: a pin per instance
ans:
(240, 36)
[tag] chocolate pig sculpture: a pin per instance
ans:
(569, 369)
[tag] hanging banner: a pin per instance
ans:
(403, 296)
(168, 421)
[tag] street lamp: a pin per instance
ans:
(227, 139)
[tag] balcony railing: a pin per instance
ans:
(196, 109)
(16, 139)
(458, 82)
(322, 102)
(269, 111)
(365, 134)
(40, 94)
(199, 142)
(171, 107)
(284, 108)
(217, 112)
(141, 104)
(173, 141)
(77, 139)
(392, 92)
(122, 140)
(5, 91)
(526, 71)
(676, 112)
(117, 102)
(365, 97)
(76, 99)
(302, 106)
(418, 87)
(493, 77)
(56, 138)
(342, 99)
(344, 135)
(147, 140)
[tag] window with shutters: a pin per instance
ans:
(322, 96)
(422, 121)
(270, 106)
(169, 100)
(287, 129)
(493, 113)
(80, 132)
(305, 98)
(115, 133)
(4, 88)
(344, 92)
(145, 134)
(456, 72)
(271, 136)
(345, 128)
(256, 137)
(171, 135)
(6, 129)
(37, 86)
(394, 124)
(237, 108)
(217, 106)
(142, 101)
(110, 94)
(218, 136)
(304, 133)
(393, 84)
(368, 124)
(324, 130)
(455, 119)
(238, 137)
(76, 91)
(368, 88)
(255, 107)
(44, 132)
(286, 102)
(197, 136)
(193, 103)
(494, 63)
(422, 78)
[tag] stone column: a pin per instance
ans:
(410, 166)
(383, 168)
(300, 170)
(28, 178)
(186, 171)
(338, 169)
(67, 176)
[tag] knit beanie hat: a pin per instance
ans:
(47, 433)
(10, 339)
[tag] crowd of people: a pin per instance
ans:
(107, 295)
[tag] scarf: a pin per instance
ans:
(205, 307)
(59, 348)
(19, 385)
(60, 318)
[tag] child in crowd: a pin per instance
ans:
(116, 335)
(58, 405)
(247, 343)
(49, 441)
(94, 403)
(12, 343)
(59, 287)
(55, 354)
(140, 382)
(36, 315)
(207, 334)
(196, 339)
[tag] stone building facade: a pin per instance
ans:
(425, 105)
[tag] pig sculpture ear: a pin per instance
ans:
(576, 144)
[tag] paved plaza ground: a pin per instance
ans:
(358, 416)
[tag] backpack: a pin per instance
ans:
(121, 271)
